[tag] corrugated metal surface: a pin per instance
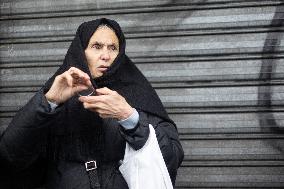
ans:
(216, 64)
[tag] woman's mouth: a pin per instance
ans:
(103, 68)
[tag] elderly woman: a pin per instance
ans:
(65, 140)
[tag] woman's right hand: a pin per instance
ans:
(67, 84)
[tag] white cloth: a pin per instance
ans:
(131, 121)
(146, 168)
(52, 106)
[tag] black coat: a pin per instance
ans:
(51, 148)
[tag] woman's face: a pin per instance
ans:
(101, 51)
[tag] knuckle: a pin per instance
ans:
(106, 89)
(114, 93)
(101, 99)
(85, 105)
(57, 77)
(65, 74)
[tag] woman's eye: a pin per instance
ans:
(113, 48)
(97, 46)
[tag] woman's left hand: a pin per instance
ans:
(108, 104)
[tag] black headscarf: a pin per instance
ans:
(122, 76)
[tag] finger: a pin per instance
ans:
(79, 74)
(98, 107)
(81, 79)
(104, 91)
(68, 79)
(76, 71)
(102, 112)
(88, 82)
(80, 88)
(91, 99)
(104, 116)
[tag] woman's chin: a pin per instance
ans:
(97, 75)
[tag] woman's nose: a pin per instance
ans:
(105, 55)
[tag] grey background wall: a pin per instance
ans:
(216, 64)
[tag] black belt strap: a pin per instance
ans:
(91, 168)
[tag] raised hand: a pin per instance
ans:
(108, 104)
(68, 84)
